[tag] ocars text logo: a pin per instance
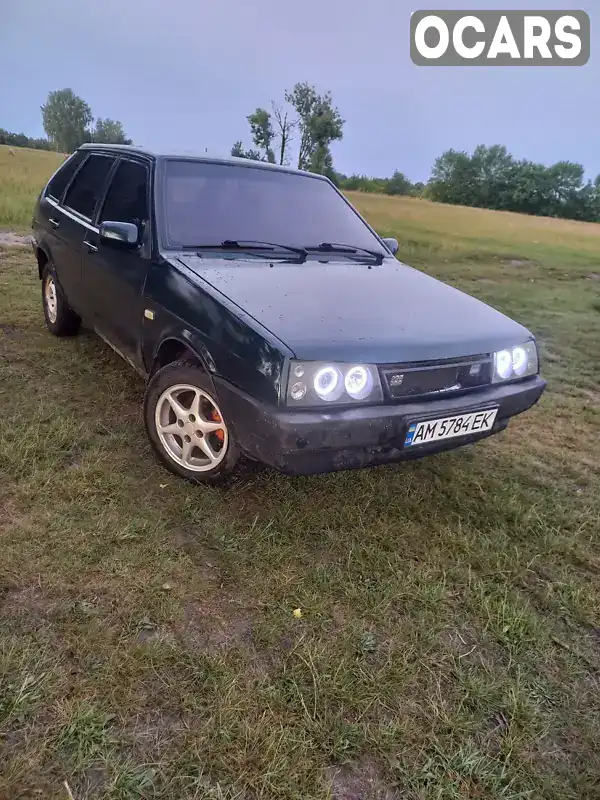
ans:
(500, 38)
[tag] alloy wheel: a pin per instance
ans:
(51, 299)
(190, 427)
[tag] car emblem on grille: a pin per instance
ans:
(396, 380)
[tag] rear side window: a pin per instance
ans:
(127, 197)
(86, 189)
(58, 184)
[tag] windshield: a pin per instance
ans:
(208, 203)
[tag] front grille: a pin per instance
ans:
(411, 381)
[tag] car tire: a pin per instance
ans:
(184, 423)
(60, 318)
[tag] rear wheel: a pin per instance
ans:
(61, 320)
(185, 425)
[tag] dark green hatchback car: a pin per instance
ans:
(268, 317)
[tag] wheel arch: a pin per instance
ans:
(43, 257)
(174, 348)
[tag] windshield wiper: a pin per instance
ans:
(251, 244)
(332, 247)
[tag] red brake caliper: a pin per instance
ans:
(220, 434)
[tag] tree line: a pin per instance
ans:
(490, 177)
(21, 140)
(300, 129)
(68, 123)
(398, 184)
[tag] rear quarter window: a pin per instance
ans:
(58, 183)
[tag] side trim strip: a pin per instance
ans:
(72, 216)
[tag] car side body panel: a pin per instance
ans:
(60, 235)
(230, 344)
(115, 280)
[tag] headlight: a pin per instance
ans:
(318, 383)
(359, 382)
(328, 384)
(516, 362)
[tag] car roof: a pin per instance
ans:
(186, 155)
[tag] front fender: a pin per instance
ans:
(173, 340)
(182, 307)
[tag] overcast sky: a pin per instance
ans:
(185, 73)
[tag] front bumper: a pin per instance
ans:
(309, 442)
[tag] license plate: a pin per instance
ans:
(449, 427)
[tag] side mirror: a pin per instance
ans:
(392, 245)
(123, 235)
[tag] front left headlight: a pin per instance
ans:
(516, 362)
(320, 383)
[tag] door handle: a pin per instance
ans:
(91, 247)
(54, 222)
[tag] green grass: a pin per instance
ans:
(22, 177)
(449, 643)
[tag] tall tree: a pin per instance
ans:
(453, 179)
(318, 121)
(304, 100)
(109, 131)
(262, 132)
(320, 159)
(494, 172)
(285, 127)
(66, 118)
(398, 184)
(567, 182)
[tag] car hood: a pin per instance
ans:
(389, 313)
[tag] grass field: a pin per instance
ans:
(22, 176)
(449, 644)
